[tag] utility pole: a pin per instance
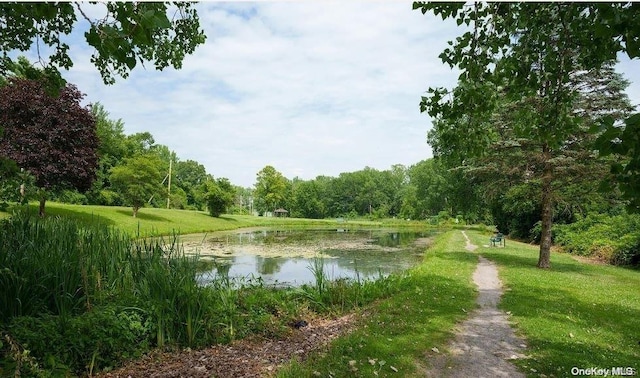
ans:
(169, 183)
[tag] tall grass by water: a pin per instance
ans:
(96, 291)
(78, 297)
(346, 294)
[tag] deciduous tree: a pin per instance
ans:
(53, 137)
(524, 54)
(270, 189)
(111, 150)
(307, 201)
(191, 176)
(137, 180)
(220, 195)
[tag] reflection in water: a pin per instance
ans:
(284, 257)
(269, 265)
(222, 269)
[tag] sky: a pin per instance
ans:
(311, 88)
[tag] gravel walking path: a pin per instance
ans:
(484, 343)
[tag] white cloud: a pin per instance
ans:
(312, 88)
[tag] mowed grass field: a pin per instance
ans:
(154, 221)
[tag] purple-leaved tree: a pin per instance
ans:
(53, 137)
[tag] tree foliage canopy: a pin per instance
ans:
(503, 50)
(129, 33)
(191, 177)
(270, 189)
(519, 59)
(219, 196)
(137, 180)
(52, 137)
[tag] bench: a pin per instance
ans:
(498, 239)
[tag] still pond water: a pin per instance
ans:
(285, 257)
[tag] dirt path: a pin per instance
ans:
(485, 342)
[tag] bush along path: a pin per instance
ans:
(485, 342)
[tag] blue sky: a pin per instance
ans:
(312, 88)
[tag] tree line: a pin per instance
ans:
(420, 191)
(89, 159)
(53, 148)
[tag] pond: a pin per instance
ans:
(285, 257)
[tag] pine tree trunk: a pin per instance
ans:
(544, 260)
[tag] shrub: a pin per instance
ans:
(615, 239)
(109, 198)
(94, 340)
(72, 197)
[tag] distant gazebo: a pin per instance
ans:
(280, 212)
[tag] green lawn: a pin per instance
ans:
(397, 332)
(154, 221)
(574, 315)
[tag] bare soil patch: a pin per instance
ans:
(243, 358)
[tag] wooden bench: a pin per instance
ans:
(498, 239)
